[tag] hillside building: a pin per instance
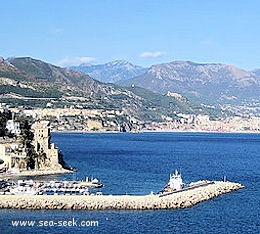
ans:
(12, 156)
(13, 127)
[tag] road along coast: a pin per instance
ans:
(177, 200)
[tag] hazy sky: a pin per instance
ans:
(67, 32)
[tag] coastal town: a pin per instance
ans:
(29, 151)
(73, 119)
(26, 151)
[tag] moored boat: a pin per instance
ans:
(175, 183)
(94, 183)
(31, 187)
(23, 190)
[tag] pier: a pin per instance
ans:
(182, 199)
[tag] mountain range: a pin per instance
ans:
(111, 72)
(209, 83)
(213, 84)
(35, 83)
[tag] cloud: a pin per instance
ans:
(152, 54)
(75, 61)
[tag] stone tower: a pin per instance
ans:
(43, 146)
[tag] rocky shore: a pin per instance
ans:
(177, 200)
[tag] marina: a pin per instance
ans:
(55, 187)
(183, 199)
(30, 194)
(212, 208)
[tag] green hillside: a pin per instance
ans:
(34, 83)
(167, 105)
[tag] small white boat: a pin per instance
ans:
(23, 190)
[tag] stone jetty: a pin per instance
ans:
(177, 200)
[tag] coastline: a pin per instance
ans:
(182, 199)
(36, 173)
(159, 131)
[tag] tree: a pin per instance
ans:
(31, 158)
(4, 117)
(26, 138)
(26, 133)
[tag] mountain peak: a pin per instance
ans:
(111, 72)
(187, 71)
(119, 63)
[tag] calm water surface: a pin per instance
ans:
(140, 163)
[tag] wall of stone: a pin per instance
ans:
(124, 202)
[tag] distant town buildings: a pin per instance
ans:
(13, 127)
(198, 123)
(12, 155)
(70, 119)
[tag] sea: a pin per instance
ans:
(140, 163)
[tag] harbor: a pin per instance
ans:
(42, 157)
(182, 199)
(30, 194)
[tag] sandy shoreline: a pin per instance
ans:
(178, 200)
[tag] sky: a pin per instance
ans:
(70, 32)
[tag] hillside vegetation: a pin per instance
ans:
(34, 83)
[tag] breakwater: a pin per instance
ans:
(178, 200)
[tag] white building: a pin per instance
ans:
(13, 127)
(11, 156)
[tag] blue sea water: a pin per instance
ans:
(128, 163)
